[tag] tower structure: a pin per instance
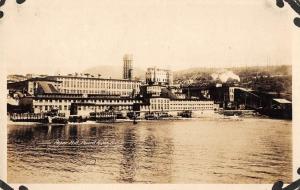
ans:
(128, 66)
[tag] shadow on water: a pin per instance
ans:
(128, 162)
(146, 156)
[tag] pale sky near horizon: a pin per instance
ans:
(66, 36)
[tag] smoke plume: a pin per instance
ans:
(224, 76)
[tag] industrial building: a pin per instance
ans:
(159, 76)
(81, 104)
(87, 84)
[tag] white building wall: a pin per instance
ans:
(87, 85)
(156, 75)
(64, 105)
(165, 104)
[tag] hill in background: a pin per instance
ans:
(194, 73)
(261, 78)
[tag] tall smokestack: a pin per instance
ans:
(128, 66)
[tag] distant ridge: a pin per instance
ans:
(273, 69)
(108, 71)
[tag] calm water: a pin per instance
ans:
(189, 151)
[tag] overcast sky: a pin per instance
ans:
(51, 36)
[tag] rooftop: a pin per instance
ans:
(282, 101)
(90, 77)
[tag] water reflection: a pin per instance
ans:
(128, 162)
(151, 152)
(158, 154)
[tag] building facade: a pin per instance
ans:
(72, 84)
(173, 105)
(84, 104)
(159, 76)
(244, 98)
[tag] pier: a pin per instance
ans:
(29, 117)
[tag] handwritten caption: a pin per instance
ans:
(76, 142)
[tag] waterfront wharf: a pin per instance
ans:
(105, 116)
(28, 117)
(237, 112)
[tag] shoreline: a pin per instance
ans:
(212, 118)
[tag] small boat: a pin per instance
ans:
(186, 114)
(54, 117)
(233, 117)
(151, 116)
(164, 115)
(57, 120)
(106, 117)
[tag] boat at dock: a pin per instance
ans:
(185, 113)
(28, 117)
(45, 118)
(233, 117)
(151, 116)
(158, 116)
(57, 120)
(106, 117)
(55, 117)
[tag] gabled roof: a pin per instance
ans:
(48, 88)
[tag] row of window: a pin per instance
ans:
(191, 108)
(181, 102)
(92, 108)
(163, 104)
(160, 101)
(87, 101)
(193, 104)
(167, 107)
(159, 106)
(157, 80)
(50, 107)
(68, 107)
(77, 91)
(99, 84)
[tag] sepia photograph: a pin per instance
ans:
(148, 92)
